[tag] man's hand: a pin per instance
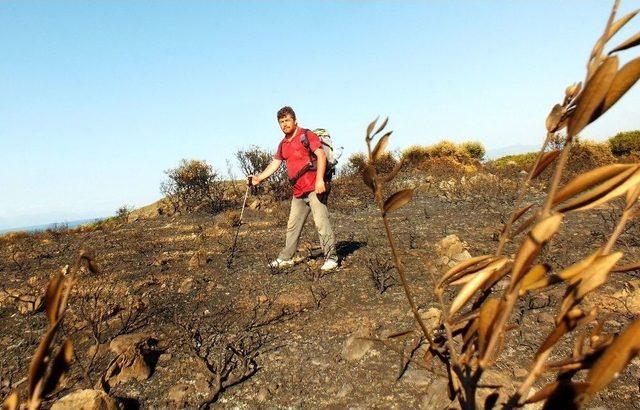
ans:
(320, 187)
(254, 180)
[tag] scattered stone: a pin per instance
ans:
(178, 393)
(263, 394)
(86, 400)
(520, 373)
(544, 317)
(344, 390)
(437, 395)
(198, 259)
(356, 346)
(255, 205)
(539, 301)
(122, 343)
(186, 285)
(417, 377)
(451, 251)
(30, 304)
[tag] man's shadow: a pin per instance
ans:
(346, 248)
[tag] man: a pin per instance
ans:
(309, 188)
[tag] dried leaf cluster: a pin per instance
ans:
(477, 320)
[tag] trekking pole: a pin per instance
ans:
(235, 238)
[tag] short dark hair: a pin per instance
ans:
(286, 110)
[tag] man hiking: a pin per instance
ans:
(306, 162)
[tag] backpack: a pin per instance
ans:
(327, 145)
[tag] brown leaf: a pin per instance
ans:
(380, 146)
(562, 396)
(614, 359)
(591, 278)
(617, 25)
(604, 193)
(536, 274)
(554, 117)
(545, 161)
(368, 176)
(38, 364)
(384, 124)
(623, 81)
(521, 212)
(627, 268)
(471, 265)
(60, 365)
(572, 90)
(474, 284)
(567, 323)
(488, 312)
(593, 94)
(588, 180)
(528, 251)
(632, 197)
(52, 297)
(628, 43)
(397, 200)
(12, 402)
(370, 128)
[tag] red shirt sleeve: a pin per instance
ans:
(314, 141)
(278, 154)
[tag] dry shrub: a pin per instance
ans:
(253, 161)
(446, 167)
(194, 186)
(586, 155)
(625, 143)
(358, 161)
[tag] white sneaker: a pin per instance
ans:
(329, 264)
(281, 263)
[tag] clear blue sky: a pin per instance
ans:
(98, 98)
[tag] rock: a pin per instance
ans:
(186, 285)
(255, 205)
(344, 390)
(452, 251)
(356, 346)
(30, 304)
(545, 317)
(263, 394)
(122, 343)
(431, 317)
(198, 259)
(417, 377)
(437, 395)
(86, 400)
(178, 393)
(539, 301)
(520, 373)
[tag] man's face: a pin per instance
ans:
(287, 123)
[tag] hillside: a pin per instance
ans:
(165, 283)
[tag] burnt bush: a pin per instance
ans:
(194, 186)
(253, 161)
(358, 161)
(475, 149)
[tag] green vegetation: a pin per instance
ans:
(625, 143)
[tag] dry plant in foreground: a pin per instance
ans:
(477, 320)
(46, 368)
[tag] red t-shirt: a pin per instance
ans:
(296, 156)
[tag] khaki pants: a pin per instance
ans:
(300, 208)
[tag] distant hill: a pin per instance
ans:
(69, 224)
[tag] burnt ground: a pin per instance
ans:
(295, 322)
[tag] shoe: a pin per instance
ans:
(329, 264)
(281, 263)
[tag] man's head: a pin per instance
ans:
(287, 119)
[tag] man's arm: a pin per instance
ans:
(268, 171)
(322, 167)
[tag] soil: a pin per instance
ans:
(301, 321)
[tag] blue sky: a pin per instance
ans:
(98, 98)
